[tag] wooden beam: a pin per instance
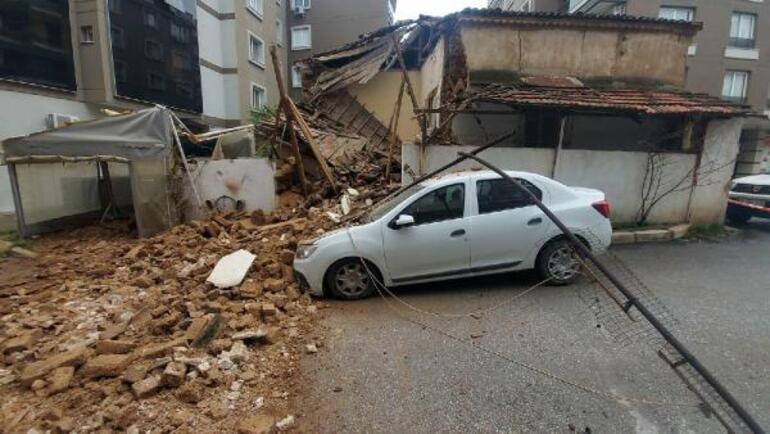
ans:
(393, 128)
(292, 134)
(410, 88)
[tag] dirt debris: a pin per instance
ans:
(103, 332)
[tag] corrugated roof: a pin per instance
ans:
(640, 101)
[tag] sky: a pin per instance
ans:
(408, 9)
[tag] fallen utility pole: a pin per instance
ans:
(632, 301)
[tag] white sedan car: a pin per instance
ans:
(459, 225)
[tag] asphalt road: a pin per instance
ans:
(379, 372)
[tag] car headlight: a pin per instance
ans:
(305, 250)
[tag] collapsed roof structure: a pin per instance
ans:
(569, 89)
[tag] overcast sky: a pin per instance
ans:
(407, 9)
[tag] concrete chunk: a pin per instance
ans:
(19, 343)
(39, 369)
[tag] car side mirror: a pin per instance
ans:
(403, 221)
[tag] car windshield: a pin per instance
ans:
(388, 204)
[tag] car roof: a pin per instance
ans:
(477, 174)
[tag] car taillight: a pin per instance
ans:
(603, 207)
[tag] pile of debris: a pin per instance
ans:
(106, 332)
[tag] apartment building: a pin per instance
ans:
(316, 26)
(729, 57)
(66, 60)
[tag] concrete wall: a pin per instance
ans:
(619, 174)
(247, 179)
(587, 53)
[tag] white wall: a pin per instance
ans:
(619, 174)
(25, 113)
(248, 179)
(217, 45)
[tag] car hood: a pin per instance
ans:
(327, 235)
(753, 180)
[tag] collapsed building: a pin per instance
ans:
(593, 101)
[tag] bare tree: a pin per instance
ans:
(658, 184)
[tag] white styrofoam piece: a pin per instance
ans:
(231, 269)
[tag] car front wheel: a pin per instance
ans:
(737, 216)
(349, 279)
(558, 263)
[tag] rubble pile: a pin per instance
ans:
(103, 332)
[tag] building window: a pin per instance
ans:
(117, 35)
(181, 60)
(256, 50)
(150, 19)
(619, 9)
(179, 33)
(676, 13)
(278, 32)
(257, 7)
(296, 77)
(116, 6)
(735, 85)
(121, 71)
(184, 88)
(300, 4)
(156, 81)
(258, 96)
(742, 30)
(301, 38)
(86, 34)
(153, 50)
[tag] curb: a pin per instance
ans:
(650, 235)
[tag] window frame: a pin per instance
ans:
(160, 47)
(259, 11)
(155, 24)
(296, 77)
(746, 83)
(294, 46)
(251, 96)
(162, 77)
(465, 210)
(538, 191)
(257, 62)
(690, 11)
(279, 32)
(294, 4)
(735, 41)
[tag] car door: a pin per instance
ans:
(506, 225)
(436, 245)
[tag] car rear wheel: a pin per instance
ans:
(737, 216)
(349, 279)
(559, 263)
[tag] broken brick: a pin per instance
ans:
(157, 350)
(114, 347)
(39, 369)
(60, 379)
(106, 365)
(147, 387)
(286, 256)
(173, 375)
(135, 372)
(19, 343)
(256, 424)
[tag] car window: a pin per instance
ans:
(445, 203)
(388, 204)
(499, 194)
